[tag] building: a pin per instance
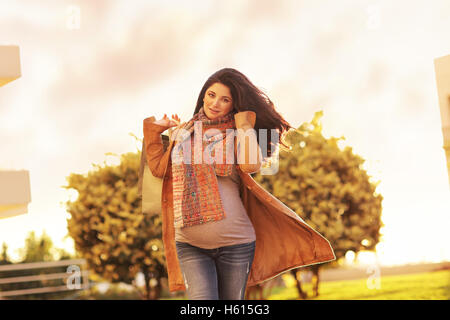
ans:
(9, 64)
(442, 70)
(15, 192)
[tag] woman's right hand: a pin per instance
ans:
(166, 122)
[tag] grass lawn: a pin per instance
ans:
(420, 286)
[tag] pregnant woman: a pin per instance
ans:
(221, 230)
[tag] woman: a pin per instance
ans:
(220, 228)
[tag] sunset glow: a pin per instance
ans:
(92, 72)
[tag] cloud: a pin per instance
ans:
(153, 49)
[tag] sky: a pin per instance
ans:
(93, 70)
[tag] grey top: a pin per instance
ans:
(235, 228)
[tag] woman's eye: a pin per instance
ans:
(211, 95)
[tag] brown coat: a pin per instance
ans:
(283, 240)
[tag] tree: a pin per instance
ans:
(4, 258)
(37, 249)
(328, 188)
(109, 229)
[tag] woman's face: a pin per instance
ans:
(217, 101)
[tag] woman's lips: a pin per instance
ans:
(214, 111)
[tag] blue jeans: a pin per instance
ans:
(212, 274)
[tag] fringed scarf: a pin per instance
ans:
(196, 197)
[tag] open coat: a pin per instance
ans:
(283, 240)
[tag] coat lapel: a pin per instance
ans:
(283, 240)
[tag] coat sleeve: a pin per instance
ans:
(156, 156)
(248, 152)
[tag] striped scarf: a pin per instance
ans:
(196, 197)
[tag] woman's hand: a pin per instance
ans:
(166, 122)
(245, 119)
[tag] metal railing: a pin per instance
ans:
(76, 278)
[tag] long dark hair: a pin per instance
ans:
(247, 97)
